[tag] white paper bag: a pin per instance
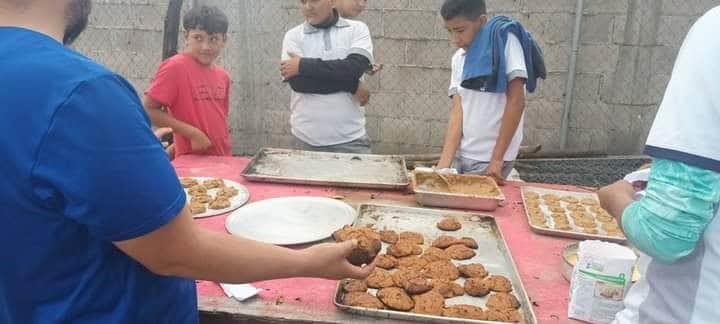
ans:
(600, 280)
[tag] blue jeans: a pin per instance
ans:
(358, 146)
(469, 166)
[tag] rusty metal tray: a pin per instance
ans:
(431, 190)
(492, 253)
(328, 169)
(574, 233)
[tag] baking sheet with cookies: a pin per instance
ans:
(492, 253)
(569, 214)
(237, 195)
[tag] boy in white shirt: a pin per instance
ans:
(485, 127)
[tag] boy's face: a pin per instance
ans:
(317, 11)
(463, 30)
(351, 8)
(203, 46)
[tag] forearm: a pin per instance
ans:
(161, 118)
(304, 84)
(348, 69)
(453, 136)
(220, 257)
(679, 203)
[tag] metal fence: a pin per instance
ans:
(625, 51)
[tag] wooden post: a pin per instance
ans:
(171, 28)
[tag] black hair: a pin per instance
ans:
(210, 19)
(470, 9)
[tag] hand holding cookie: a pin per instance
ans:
(331, 261)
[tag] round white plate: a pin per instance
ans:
(291, 220)
(235, 202)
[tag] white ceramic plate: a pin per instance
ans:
(235, 202)
(291, 220)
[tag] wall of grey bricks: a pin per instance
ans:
(625, 59)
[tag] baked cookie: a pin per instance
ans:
(413, 263)
(502, 301)
(477, 287)
(432, 254)
(188, 182)
(401, 276)
(447, 289)
(465, 311)
(503, 315)
(349, 232)
(469, 242)
(197, 189)
(386, 262)
(396, 298)
(362, 299)
(413, 237)
(557, 209)
(499, 284)
(417, 286)
(353, 285)
(214, 183)
(441, 270)
(379, 278)
(227, 192)
(473, 270)
(444, 241)
(219, 203)
(201, 199)
(368, 246)
(532, 195)
(460, 252)
(449, 223)
(550, 197)
(404, 248)
(197, 208)
(569, 199)
(429, 303)
(389, 237)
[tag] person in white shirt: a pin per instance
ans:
(485, 126)
(323, 60)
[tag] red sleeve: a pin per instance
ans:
(164, 87)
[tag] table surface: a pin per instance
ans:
(537, 257)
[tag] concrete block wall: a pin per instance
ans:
(625, 59)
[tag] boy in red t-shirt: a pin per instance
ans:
(193, 89)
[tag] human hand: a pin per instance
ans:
(494, 170)
(290, 67)
(615, 197)
(362, 94)
(330, 261)
(375, 69)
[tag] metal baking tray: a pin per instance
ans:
(328, 169)
(492, 253)
(432, 190)
(574, 233)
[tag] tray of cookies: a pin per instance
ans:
(209, 197)
(433, 266)
(576, 215)
(328, 169)
(456, 191)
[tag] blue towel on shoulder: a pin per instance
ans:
(485, 63)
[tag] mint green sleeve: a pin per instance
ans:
(680, 201)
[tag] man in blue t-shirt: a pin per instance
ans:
(94, 225)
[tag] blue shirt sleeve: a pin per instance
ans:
(680, 201)
(100, 164)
